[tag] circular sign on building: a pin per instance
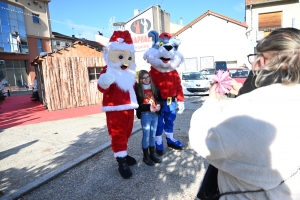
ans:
(140, 26)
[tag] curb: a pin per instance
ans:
(42, 180)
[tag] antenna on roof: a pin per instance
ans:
(111, 24)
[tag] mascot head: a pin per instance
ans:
(119, 52)
(164, 55)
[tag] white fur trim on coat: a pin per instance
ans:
(121, 46)
(120, 154)
(132, 105)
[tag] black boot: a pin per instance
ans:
(130, 160)
(146, 158)
(152, 156)
(124, 168)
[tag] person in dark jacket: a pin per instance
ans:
(249, 85)
(150, 102)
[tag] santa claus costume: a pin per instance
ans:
(116, 82)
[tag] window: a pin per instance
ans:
(35, 18)
(238, 73)
(192, 76)
(94, 73)
(39, 45)
(191, 64)
(13, 37)
(208, 71)
(14, 72)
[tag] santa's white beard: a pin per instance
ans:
(125, 79)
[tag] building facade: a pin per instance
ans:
(24, 33)
(61, 41)
(264, 16)
(153, 18)
(213, 37)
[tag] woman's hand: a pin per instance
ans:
(152, 109)
(235, 87)
(213, 93)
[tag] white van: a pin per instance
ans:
(194, 83)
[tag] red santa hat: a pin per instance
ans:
(121, 40)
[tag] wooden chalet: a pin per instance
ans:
(67, 78)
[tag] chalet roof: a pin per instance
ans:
(36, 59)
(89, 42)
(59, 35)
(207, 13)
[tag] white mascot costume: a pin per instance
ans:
(164, 59)
(116, 82)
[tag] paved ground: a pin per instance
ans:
(34, 154)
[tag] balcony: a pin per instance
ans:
(262, 34)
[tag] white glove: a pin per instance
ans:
(180, 107)
(105, 80)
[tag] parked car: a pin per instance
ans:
(194, 83)
(239, 74)
(208, 73)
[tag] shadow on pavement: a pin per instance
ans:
(177, 177)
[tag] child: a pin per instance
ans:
(149, 100)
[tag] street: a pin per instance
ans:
(177, 177)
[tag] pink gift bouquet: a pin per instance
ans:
(223, 80)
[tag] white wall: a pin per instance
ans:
(175, 27)
(101, 39)
(215, 37)
(289, 11)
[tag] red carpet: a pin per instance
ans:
(20, 110)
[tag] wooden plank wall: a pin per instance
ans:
(67, 82)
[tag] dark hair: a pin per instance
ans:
(140, 88)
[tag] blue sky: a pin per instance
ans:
(84, 18)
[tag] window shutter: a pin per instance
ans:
(269, 21)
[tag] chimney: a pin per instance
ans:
(73, 36)
(136, 12)
(180, 20)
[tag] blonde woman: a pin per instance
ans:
(253, 140)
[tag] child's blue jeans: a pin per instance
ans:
(149, 126)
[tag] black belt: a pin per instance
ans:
(173, 99)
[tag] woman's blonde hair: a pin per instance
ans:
(284, 65)
(140, 88)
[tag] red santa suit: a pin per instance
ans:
(116, 82)
(119, 106)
